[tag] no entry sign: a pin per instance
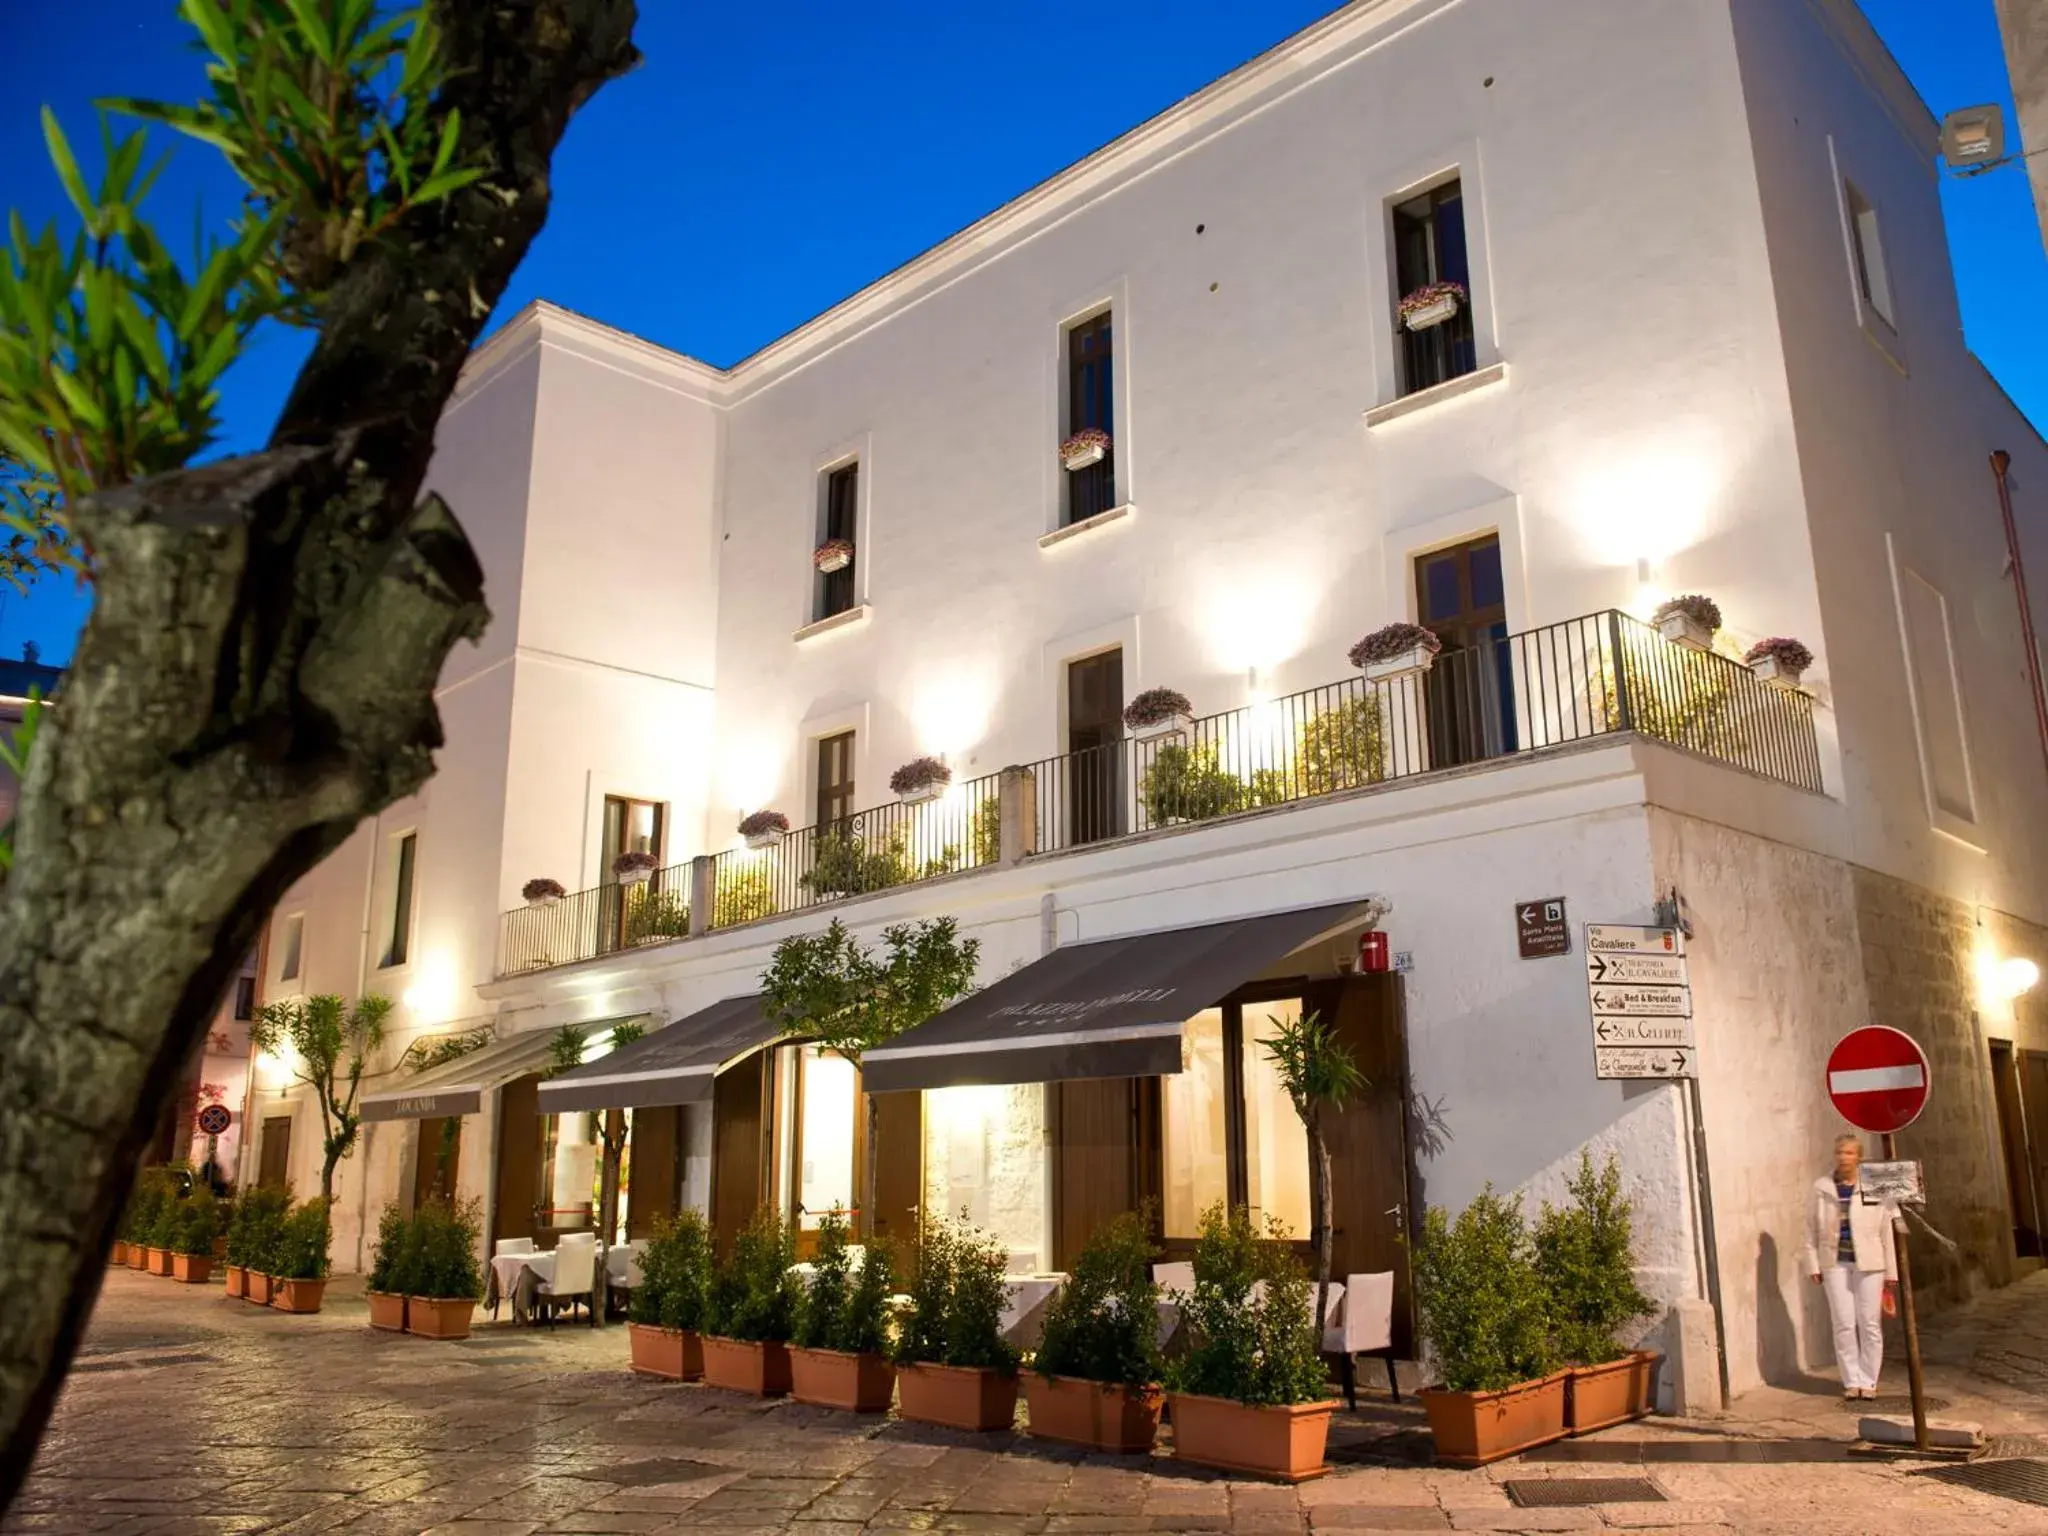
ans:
(1877, 1078)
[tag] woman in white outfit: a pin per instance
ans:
(1849, 1251)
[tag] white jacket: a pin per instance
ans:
(1870, 1227)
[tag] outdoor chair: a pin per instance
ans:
(575, 1277)
(1361, 1322)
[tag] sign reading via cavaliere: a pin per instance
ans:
(1641, 1002)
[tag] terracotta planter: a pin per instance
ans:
(957, 1396)
(832, 1378)
(1473, 1428)
(668, 1353)
(439, 1317)
(118, 1254)
(258, 1288)
(192, 1268)
(159, 1261)
(297, 1295)
(138, 1256)
(387, 1310)
(1284, 1442)
(1599, 1395)
(759, 1369)
(238, 1281)
(1104, 1415)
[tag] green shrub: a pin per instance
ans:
(1185, 784)
(393, 1260)
(1484, 1312)
(956, 1301)
(743, 895)
(675, 1267)
(843, 863)
(445, 1240)
(1342, 747)
(844, 1308)
(146, 1202)
(195, 1225)
(1262, 1351)
(753, 1295)
(1585, 1255)
(1103, 1325)
(301, 1246)
(657, 915)
(259, 1220)
(864, 1322)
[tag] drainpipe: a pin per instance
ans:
(2001, 471)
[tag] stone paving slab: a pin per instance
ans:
(200, 1414)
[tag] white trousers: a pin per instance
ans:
(1856, 1305)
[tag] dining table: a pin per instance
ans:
(506, 1269)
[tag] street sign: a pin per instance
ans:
(1627, 1031)
(1541, 929)
(1877, 1078)
(1627, 939)
(1673, 1001)
(214, 1119)
(1644, 1061)
(1900, 1181)
(1647, 970)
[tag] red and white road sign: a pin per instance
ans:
(1878, 1079)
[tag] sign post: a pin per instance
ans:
(1878, 1081)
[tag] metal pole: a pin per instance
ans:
(1914, 1378)
(1699, 1153)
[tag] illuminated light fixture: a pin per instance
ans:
(431, 997)
(1973, 137)
(2018, 976)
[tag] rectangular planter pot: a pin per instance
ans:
(1411, 663)
(238, 1281)
(118, 1255)
(761, 1370)
(957, 1396)
(192, 1268)
(1103, 1415)
(258, 1289)
(298, 1295)
(439, 1317)
(1430, 314)
(159, 1261)
(1473, 1428)
(1691, 634)
(387, 1310)
(1600, 1395)
(138, 1256)
(669, 1353)
(1284, 1442)
(833, 1378)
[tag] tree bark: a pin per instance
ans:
(1319, 1212)
(256, 678)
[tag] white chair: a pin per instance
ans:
(575, 1277)
(1175, 1277)
(1362, 1325)
(1175, 1282)
(506, 1245)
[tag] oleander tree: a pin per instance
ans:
(257, 675)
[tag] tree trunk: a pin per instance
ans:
(256, 678)
(1319, 1213)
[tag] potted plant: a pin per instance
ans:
(1085, 447)
(750, 1310)
(1095, 1378)
(542, 892)
(163, 1235)
(300, 1267)
(763, 829)
(839, 1357)
(262, 1217)
(954, 1367)
(1585, 1253)
(1159, 712)
(667, 1309)
(1431, 304)
(832, 555)
(1689, 620)
(922, 778)
(1484, 1316)
(635, 868)
(391, 1267)
(446, 1281)
(1780, 660)
(1186, 783)
(1251, 1394)
(1395, 651)
(192, 1239)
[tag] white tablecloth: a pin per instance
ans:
(1024, 1307)
(506, 1267)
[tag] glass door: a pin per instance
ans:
(630, 826)
(1469, 693)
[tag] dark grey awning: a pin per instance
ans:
(1113, 1008)
(675, 1065)
(458, 1087)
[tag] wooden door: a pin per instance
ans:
(899, 1166)
(655, 1167)
(737, 1146)
(273, 1170)
(2012, 1138)
(2033, 1072)
(1370, 1184)
(1460, 595)
(519, 1158)
(1095, 735)
(439, 1159)
(1105, 1134)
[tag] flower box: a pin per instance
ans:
(957, 1396)
(835, 556)
(833, 1378)
(1410, 663)
(1597, 1396)
(138, 1256)
(542, 892)
(1683, 629)
(668, 1354)
(238, 1281)
(387, 1311)
(1103, 1415)
(258, 1289)
(1284, 1441)
(1086, 447)
(1780, 661)
(768, 839)
(1770, 669)
(921, 793)
(1434, 313)
(298, 1295)
(760, 1369)
(921, 779)
(160, 1261)
(117, 1256)
(192, 1268)
(1173, 727)
(1474, 1428)
(439, 1317)
(539, 902)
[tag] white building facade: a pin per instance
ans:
(1708, 343)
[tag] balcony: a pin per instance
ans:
(1605, 675)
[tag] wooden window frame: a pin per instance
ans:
(830, 791)
(1092, 491)
(404, 898)
(838, 518)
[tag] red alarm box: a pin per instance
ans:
(1372, 952)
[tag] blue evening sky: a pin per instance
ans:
(768, 160)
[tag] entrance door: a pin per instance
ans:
(738, 1148)
(630, 826)
(1095, 735)
(273, 1171)
(1469, 693)
(2034, 1101)
(440, 1154)
(519, 1155)
(1370, 1204)
(899, 1166)
(1105, 1136)
(2012, 1138)
(657, 1169)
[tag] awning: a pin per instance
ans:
(1113, 1008)
(675, 1065)
(458, 1087)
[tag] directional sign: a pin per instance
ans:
(1674, 1002)
(1878, 1079)
(1541, 929)
(1626, 1031)
(1645, 1061)
(1627, 939)
(214, 1119)
(1650, 970)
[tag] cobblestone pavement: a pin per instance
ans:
(192, 1413)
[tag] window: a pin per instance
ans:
(841, 520)
(1091, 402)
(1469, 693)
(835, 778)
(1937, 707)
(399, 943)
(245, 997)
(1429, 247)
(293, 947)
(1866, 246)
(822, 1092)
(1228, 1130)
(630, 826)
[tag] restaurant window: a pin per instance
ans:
(398, 943)
(1228, 1130)
(840, 520)
(292, 950)
(1091, 403)
(1429, 248)
(568, 1171)
(835, 778)
(819, 1092)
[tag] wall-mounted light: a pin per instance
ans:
(2018, 976)
(1973, 137)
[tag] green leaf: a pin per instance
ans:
(437, 187)
(451, 131)
(213, 26)
(84, 409)
(315, 31)
(67, 169)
